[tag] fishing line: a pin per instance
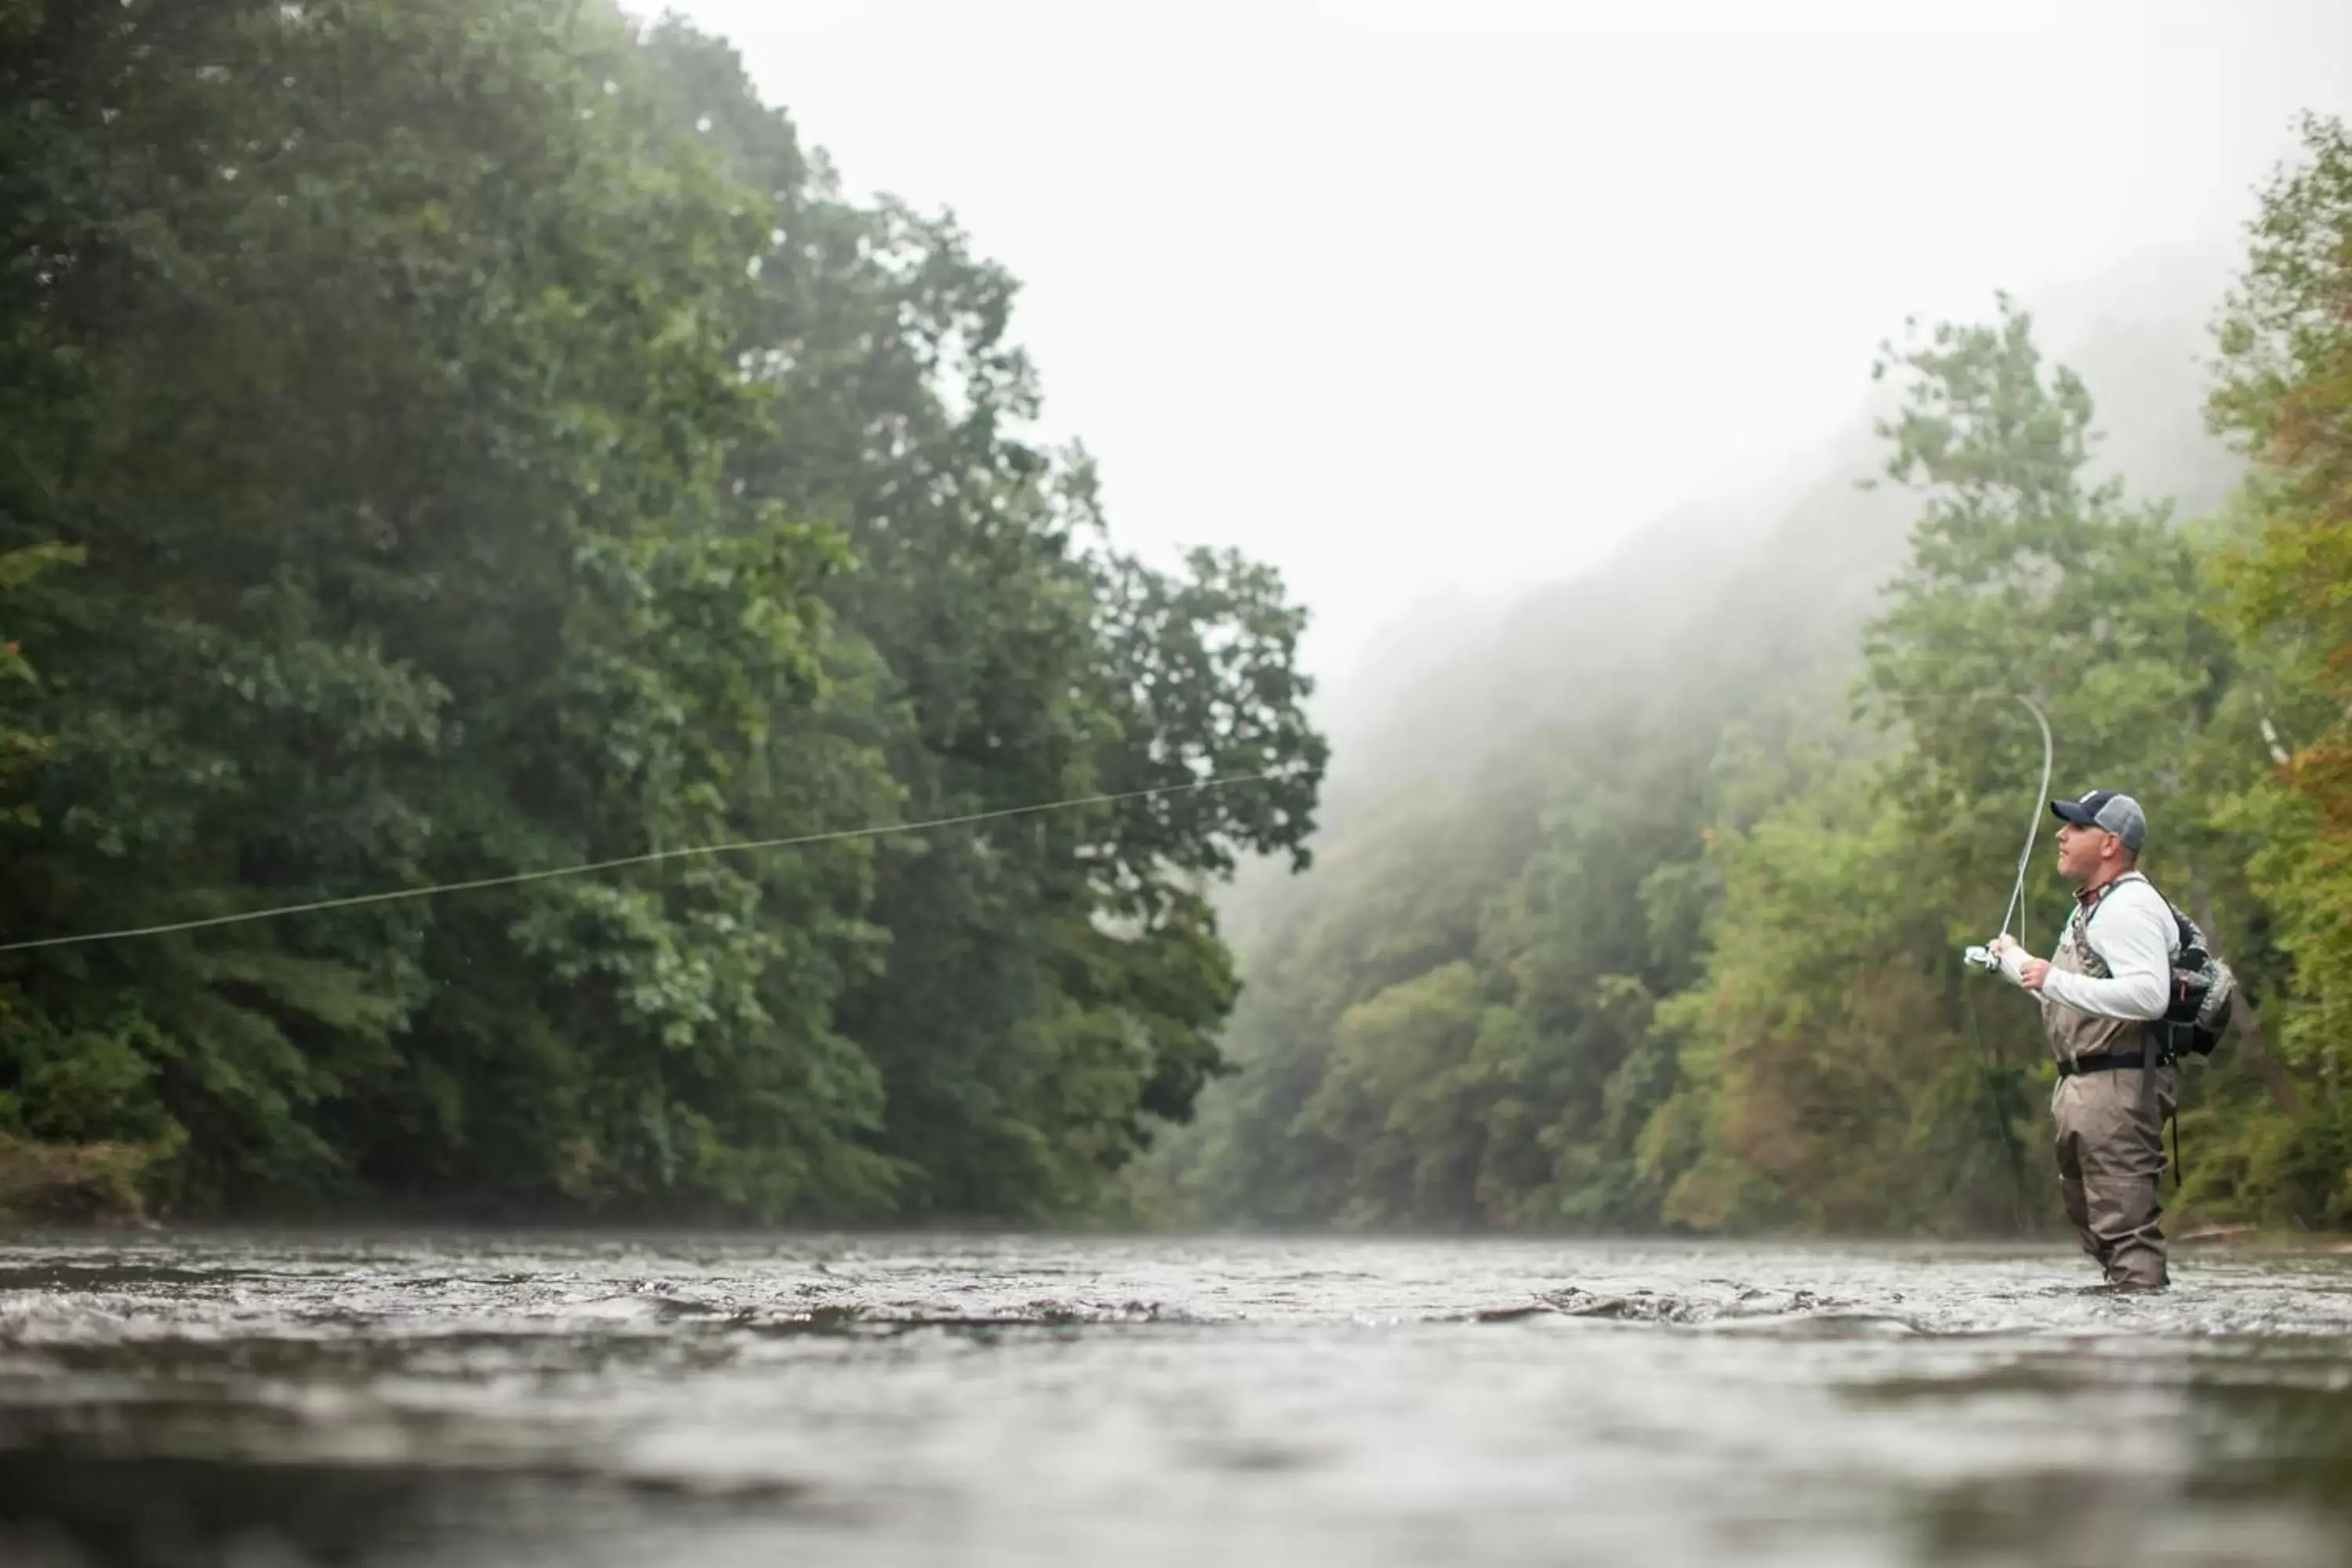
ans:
(1988, 1058)
(1987, 1052)
(513, 879)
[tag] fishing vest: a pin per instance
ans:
(2074, 1035)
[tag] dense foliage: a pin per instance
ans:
(445, 439)
(1686, 952)
(440, 439)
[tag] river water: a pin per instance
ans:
(268, 1400)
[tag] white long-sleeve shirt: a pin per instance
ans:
(2132, 929)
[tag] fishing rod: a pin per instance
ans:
(1981, 954)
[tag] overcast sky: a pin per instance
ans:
(1404, 298)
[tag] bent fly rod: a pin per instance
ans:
(1982, 955)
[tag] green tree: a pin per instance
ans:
(1840, 1053)
(2282, 389)
(497, 445)
(21, 748)
(1056, 985)
(387, 382)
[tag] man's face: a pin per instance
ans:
(2081, 850)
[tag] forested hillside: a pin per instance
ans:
(1646, 909)
(446, 439)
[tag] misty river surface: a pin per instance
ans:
(483, 1399)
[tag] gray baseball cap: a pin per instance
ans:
(2105, 809)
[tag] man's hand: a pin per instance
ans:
(2030, 971)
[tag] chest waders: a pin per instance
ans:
(2109, 1128)
(2157, 1049)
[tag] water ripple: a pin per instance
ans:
(515, 1399)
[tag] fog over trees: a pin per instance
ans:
(443, 442)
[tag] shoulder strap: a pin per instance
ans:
(2079, 926)
(2082, 912)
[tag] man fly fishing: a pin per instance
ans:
(2105, 993)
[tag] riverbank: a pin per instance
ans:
(94, 1185)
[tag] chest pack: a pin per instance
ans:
(2204, 991)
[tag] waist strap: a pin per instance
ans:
(2112, 1062)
